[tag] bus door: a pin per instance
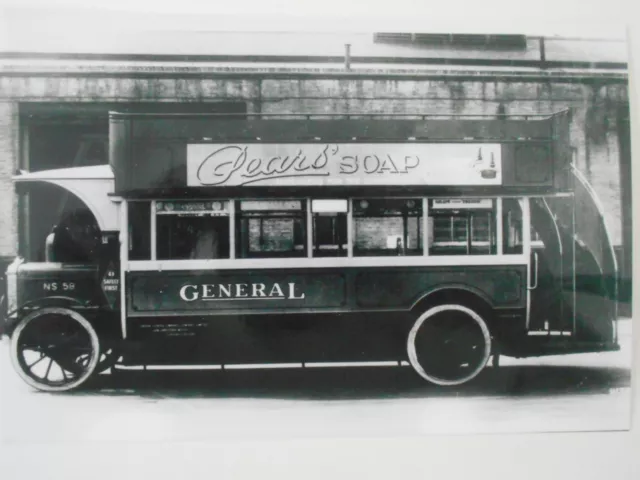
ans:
(581, 263)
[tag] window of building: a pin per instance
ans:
(512, 238)
(383, 227)
(462, 227)
(271, 229)
(329, 228)
(192, 230)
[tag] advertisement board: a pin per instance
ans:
(320, 164)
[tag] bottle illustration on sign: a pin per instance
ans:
(490, 171)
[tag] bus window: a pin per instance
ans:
(512, 226)
(329, 228)
(192, 230)
(139, 230)
(383, 227)
(270, 229)
(462, 227)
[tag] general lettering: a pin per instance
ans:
(239, 291)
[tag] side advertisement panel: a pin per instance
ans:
(309, 290)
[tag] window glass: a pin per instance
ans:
(329, 228)
(192, 230)
(139, 230)
(270, 229)
(462, 227)
(512, 226)
(384, 227)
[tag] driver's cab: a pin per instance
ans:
(81, 247)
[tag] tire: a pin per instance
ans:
(449, 345)
(39, 331)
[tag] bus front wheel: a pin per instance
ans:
(55, 349)
(449, 344)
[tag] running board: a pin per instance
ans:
(543, 346)
(264, 366)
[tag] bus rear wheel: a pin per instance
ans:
(55, 349)
(449, 345)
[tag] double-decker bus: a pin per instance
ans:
(221, 242)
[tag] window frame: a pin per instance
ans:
(226, 212)
(420, 224)
(337, 215)
(279, 214)
(466, 217)
(234, 261)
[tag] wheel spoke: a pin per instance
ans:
(42, 357)
(74, 365)
(46, 375)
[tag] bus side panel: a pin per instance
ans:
(330, 316)
(310, 291)
(399, 288)
(242, 339)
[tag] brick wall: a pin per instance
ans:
(8, 162)
(593, 126)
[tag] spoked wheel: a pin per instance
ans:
(449, 345)
(55, 349)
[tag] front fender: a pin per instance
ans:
(12, 319)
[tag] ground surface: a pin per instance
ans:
(577, 392)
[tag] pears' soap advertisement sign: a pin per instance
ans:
(331, 164)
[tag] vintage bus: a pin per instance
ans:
(221, 242)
